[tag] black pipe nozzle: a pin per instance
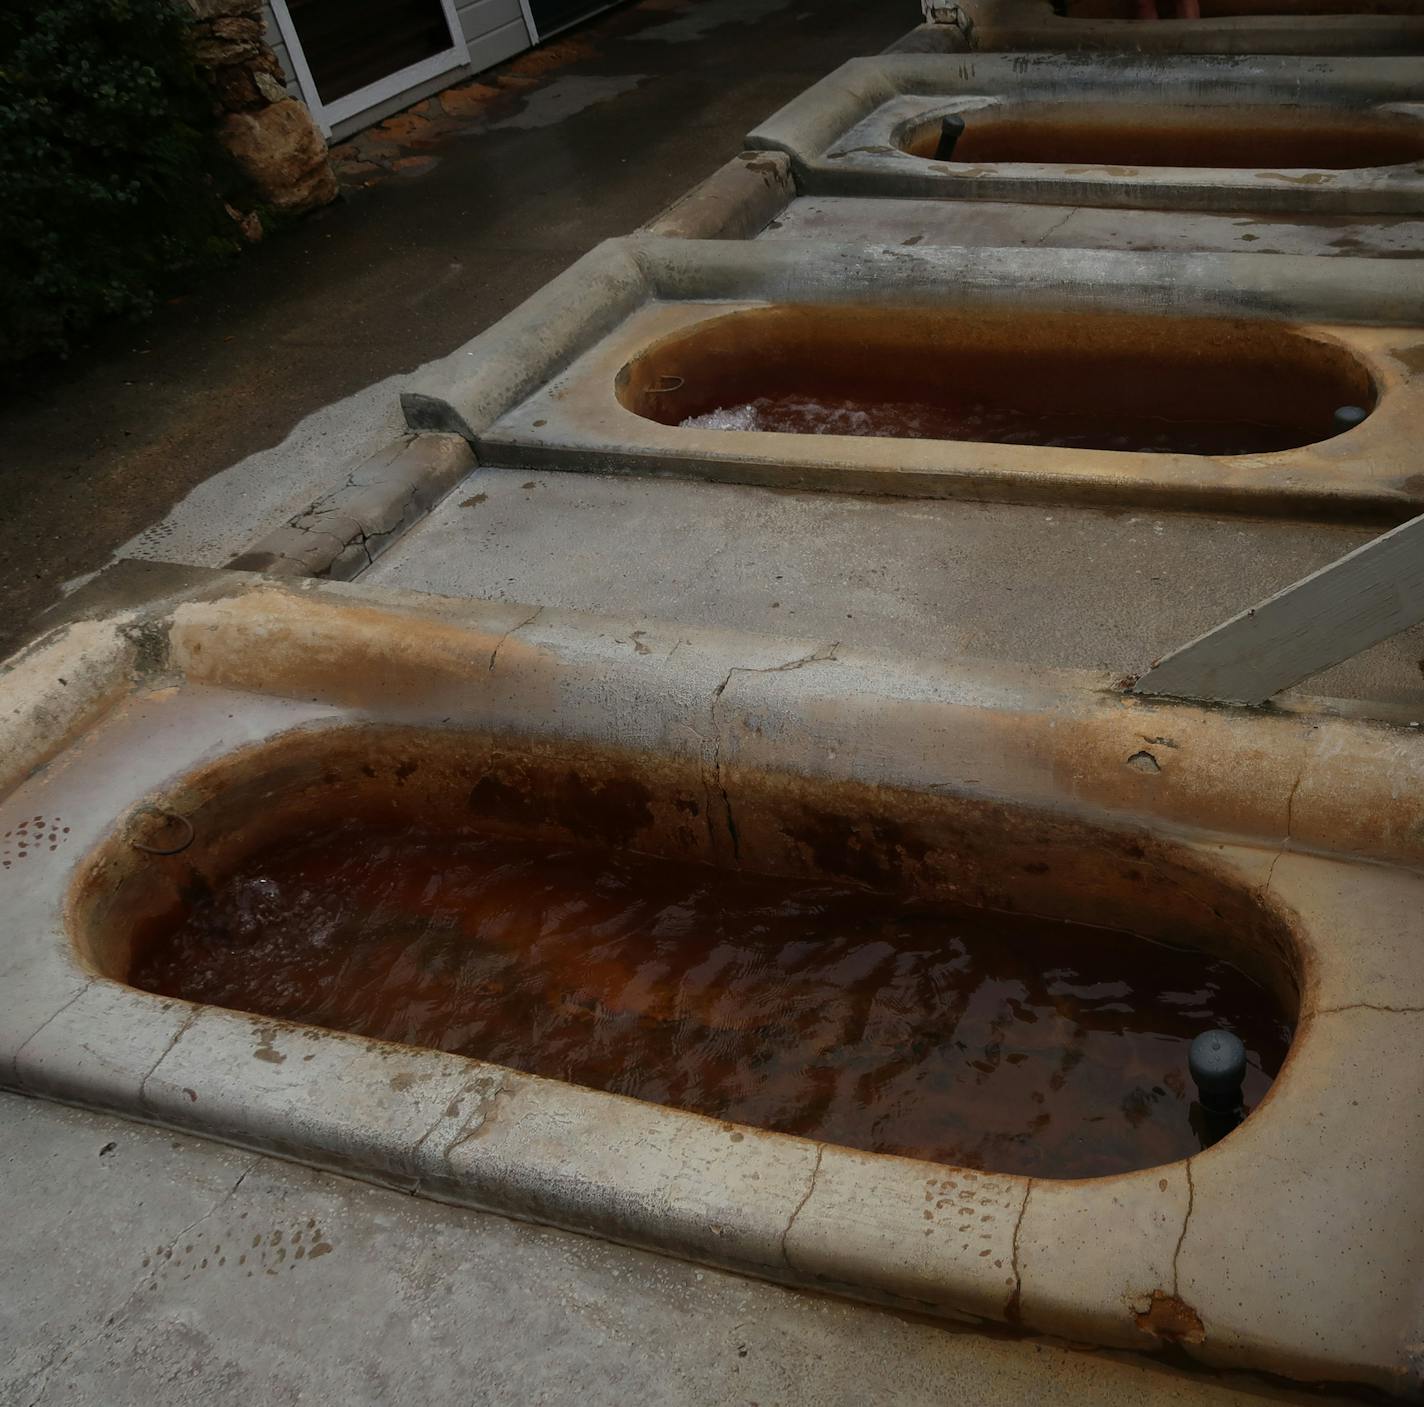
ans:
(951, 129)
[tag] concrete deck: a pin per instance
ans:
(181, 1272)
(934, 578)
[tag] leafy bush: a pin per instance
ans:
(107, 162)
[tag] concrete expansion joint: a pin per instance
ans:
(1055, 227)
(821, 655)
(499, 644)
(1013, 1306)
(1182, 1235)
(1165, 1315)
(489, 1092)
(1286, 839)
(221, 1201)
(75, 1347)
(40, 1029)
(177, 1036)
(801, 1205)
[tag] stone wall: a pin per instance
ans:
(270, 134)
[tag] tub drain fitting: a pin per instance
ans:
(1217, 1061)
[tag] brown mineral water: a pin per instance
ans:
(1004, 424)
(983, 1039)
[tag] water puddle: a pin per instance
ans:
(982, 1039)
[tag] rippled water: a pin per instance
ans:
(976, 1038)
(994, 424)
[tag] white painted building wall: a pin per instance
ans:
(490, 32)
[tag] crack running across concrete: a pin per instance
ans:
(800, 1206)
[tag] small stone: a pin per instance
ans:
(415, 165)
(468, 101)
(405, 127)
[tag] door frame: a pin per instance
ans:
(327, 115)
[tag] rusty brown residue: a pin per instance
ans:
(1411, 357)
(1171, 1319)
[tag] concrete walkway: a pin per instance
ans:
(552, 153)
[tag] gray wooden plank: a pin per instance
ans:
(1365, 597)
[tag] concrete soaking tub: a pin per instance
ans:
(1035, 375)
(1322, 27)
(1344, 136)
(199, 758)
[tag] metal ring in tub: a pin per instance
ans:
(677, 384)
(166, 815)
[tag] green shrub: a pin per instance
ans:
(107, 162)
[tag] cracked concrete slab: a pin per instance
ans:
(130, 1316)
(938, 579)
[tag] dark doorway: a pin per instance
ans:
(350, 44)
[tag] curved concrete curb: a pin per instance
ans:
(735, 202)
(930, 38)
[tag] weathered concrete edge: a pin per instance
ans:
(813, 119)
(346, 529)
(60, 682)
(735, 202)
(1300, 286)
(467, 391)
(930, 38)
